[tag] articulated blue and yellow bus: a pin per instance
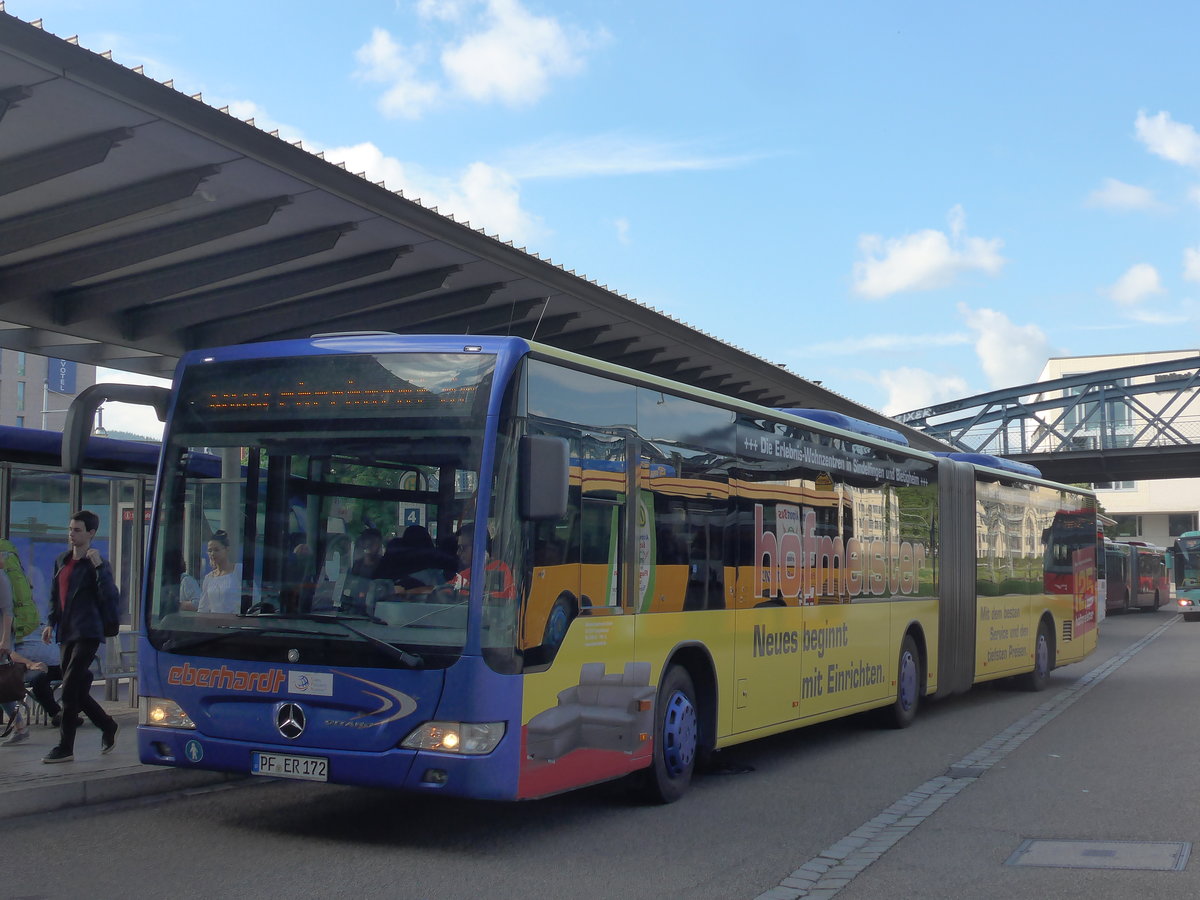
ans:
(483, 567)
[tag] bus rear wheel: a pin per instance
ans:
(1043, 661)
(908, 686)
(676, 739)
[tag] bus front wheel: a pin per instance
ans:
(676, 738)
(557, 623)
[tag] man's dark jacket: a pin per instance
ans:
(88, 589)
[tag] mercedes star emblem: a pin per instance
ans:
(289, 719)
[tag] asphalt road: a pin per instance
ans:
(1091, 759)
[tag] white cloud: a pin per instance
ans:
(1009, 354)
(1139, 282)
(1169, 139)
(1191, 263)
(498, 52)
(514, 57)
(1193, 194)
(611, 154)
(1114, 194)
(924, 260)
(622, 227)
(485, 196)
(383, 60)
(883, 343)
(444, 10)
(139, 420)
(909, 389)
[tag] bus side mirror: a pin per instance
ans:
(543, 474)
(78, 425)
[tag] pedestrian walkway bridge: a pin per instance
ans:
(1132, 423)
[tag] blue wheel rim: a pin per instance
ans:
(908, 681)
(557, 628)
(679, 734)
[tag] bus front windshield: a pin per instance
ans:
(310, 509)
(1187, 562)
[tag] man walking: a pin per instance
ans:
(82, 595)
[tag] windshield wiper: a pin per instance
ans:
(179, 644)
(412, 660)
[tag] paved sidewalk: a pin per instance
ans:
(27, 785)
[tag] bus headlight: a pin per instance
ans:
(164, 713)
(474, 738)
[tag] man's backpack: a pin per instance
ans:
(25, 611)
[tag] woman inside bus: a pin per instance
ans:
(221, 591)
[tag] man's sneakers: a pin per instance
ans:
(58, 755)
(18, 737)
(108, 739)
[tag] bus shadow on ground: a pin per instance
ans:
(388, 818)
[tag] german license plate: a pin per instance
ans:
(279, 765)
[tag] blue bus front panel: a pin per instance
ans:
(330, 724)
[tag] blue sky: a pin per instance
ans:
(907, 202)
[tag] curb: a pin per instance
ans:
(106, 787)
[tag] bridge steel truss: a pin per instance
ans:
(1093, 427)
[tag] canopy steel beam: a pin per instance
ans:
(612, 351)
(387, 318)
(98, 354)
(56, 270)
(346, 306)
(545, 326)
(581, 340)
(195, 309)
(642, 358)
(492, 320)
(48, 163)
(33, 228)
(11, 97)
(79, 304)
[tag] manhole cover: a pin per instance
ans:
(1160, 855)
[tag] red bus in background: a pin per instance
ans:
(1136, 576)
(1074, 562)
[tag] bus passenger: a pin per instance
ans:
(180, 590)
(368, 553)
(498, 578)
(414, 563)
(221, 591)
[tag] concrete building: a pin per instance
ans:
(35, 391)
(1153, 511)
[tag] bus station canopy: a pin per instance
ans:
(138, 222)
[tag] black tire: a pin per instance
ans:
(904, 708)
(676, 739)
(1157, 603)
(1043, 661)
